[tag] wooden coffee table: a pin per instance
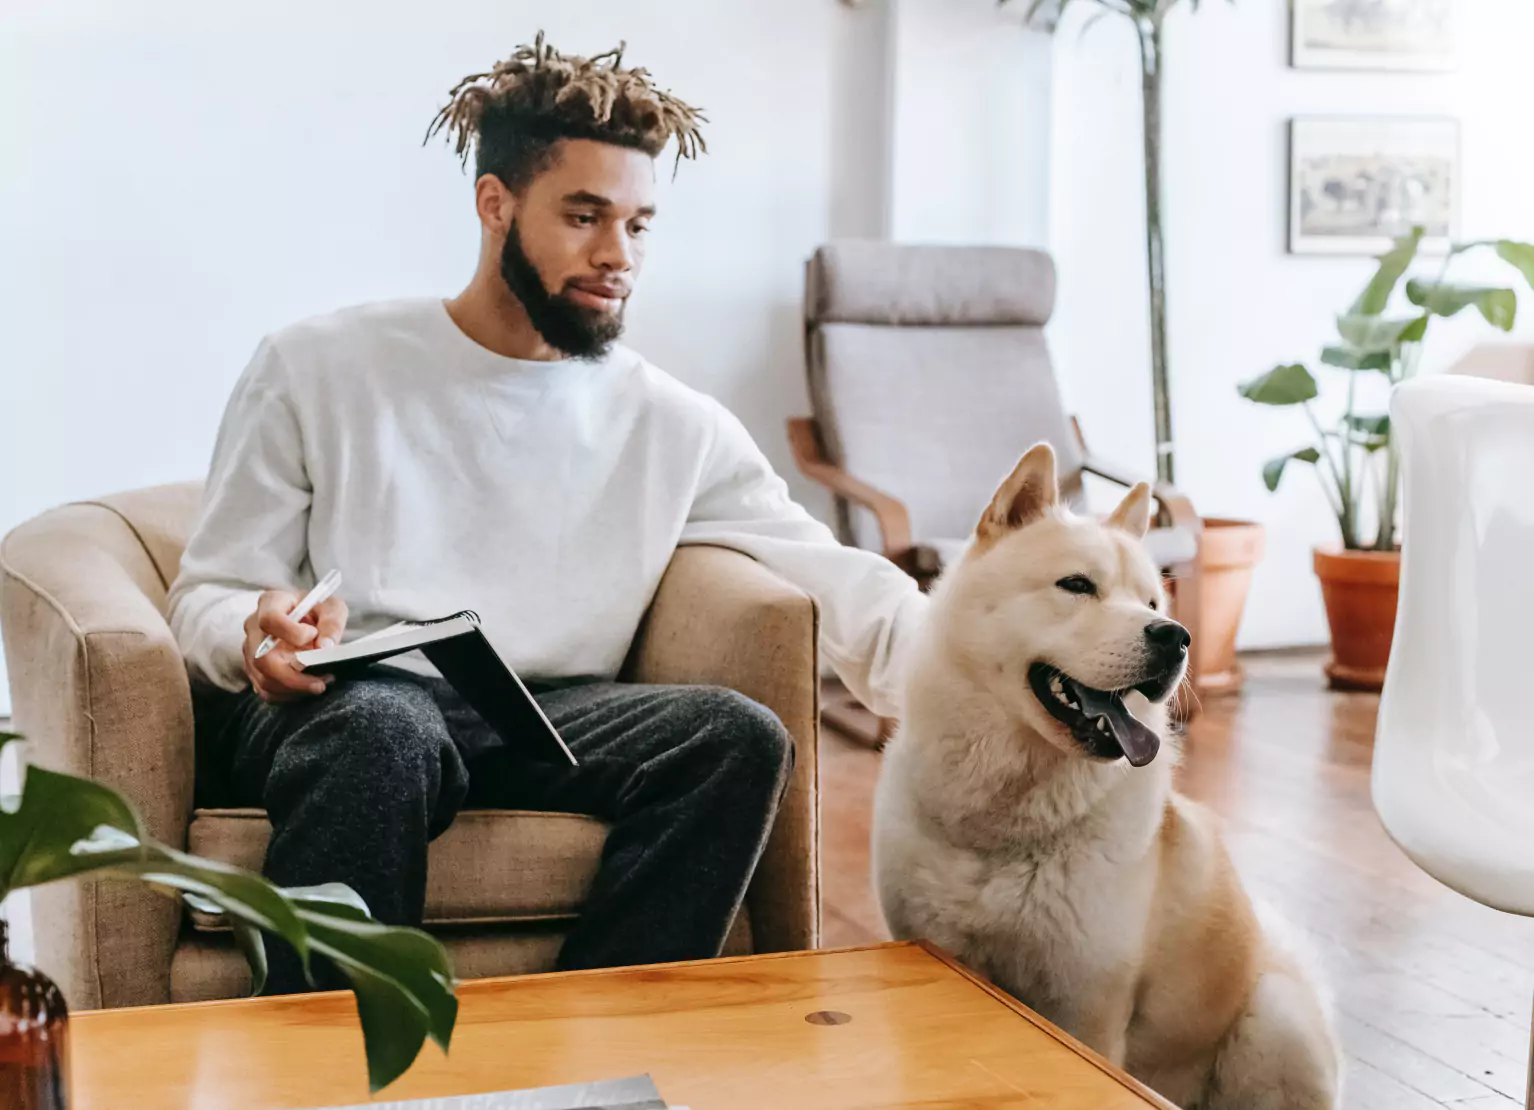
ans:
(896, 1025)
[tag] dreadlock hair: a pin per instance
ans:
(515, 114)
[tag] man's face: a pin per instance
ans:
(576, 245)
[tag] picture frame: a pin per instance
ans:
(1356, 183)
(1411, 35)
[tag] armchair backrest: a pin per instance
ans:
(929, 374)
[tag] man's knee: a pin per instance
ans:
(744, 736)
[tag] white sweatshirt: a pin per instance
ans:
(436, 475)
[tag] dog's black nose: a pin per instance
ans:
(1168, 638)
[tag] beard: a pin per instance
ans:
(574, 329)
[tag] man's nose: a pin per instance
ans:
(615, 251)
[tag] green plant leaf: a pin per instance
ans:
(386, 961)
(251, 943)
(336, 899)
(393, 1025)
(1282, 385)
(1393, 265)
(56, 812)
(1370, 432)
(1349, 359)
(63, 826)
(1374, 335)
(1499, 306)
(1520, 255)
(1273, 470)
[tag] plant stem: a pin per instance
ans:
(1406, 363)
(1149, 27)
(1350, 494)
(1340, 505)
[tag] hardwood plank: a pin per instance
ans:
(1432, 989)
(1407, 1065)
(1366, 1087)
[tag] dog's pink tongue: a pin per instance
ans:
(1139, 743)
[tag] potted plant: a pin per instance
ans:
(1355, 455)
(1228, 549)
(64, 827)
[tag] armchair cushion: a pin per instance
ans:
(871, 282)
(490, 866)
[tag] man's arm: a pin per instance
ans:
(869, 607)
(251, 533)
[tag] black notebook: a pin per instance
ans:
(459, 649)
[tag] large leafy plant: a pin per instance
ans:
(1148, 18)
(64, 827)
(1356, 456)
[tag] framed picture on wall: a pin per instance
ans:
(1357, 183)
(1373, 34)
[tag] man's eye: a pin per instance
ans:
(1078, 584)
(583, 220)
(638, 230)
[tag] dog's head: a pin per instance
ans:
(1064, 618)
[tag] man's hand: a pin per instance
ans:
(276, 676)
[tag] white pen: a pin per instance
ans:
(322, 589)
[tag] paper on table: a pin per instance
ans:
(636, 1093)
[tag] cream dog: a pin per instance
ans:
(1024, 822)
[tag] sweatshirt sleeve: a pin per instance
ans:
(251, 532)
(869, 608)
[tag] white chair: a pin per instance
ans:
(1453, 774)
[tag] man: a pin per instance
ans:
(498, 451)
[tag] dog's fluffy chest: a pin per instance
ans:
(1036, 890)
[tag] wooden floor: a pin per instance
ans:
(1433, 992)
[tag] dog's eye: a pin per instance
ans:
(1155, 605)
(1078, 584)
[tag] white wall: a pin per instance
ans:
(1238, 303)
(970, 126)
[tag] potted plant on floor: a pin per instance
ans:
(1228, 549)
(64, 827)
(1356, 456)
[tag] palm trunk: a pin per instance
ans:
(1149, 28)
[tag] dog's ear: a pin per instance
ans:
(1028, 493)
(1134, 512)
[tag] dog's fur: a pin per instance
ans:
(1085, 887)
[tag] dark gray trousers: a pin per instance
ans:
(358, 781)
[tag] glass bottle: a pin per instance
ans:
(34, 1032)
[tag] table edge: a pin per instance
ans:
(1044, 1025)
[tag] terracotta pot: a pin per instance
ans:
(1229, 551)
(1359, 588)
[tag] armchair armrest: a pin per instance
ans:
(99, 690)
(719, 618)
(1176, 510)
(809, 456)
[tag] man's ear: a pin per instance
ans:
(1028, 493)
(1134, 512)
(496, 205)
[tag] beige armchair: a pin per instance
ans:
(99, 689)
